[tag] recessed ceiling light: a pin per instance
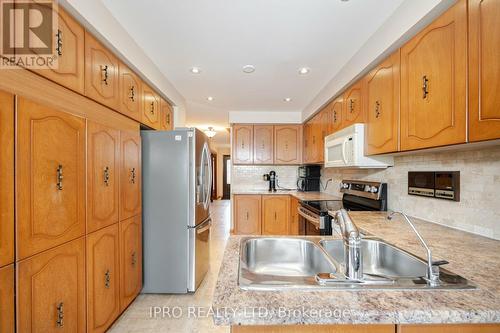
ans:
(210, 98)
(195, 70)
(304, 70)
(288, 99)
(248, 69)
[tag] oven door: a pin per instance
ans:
(338, 152)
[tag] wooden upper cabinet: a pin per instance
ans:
(263, 144)
(242, 152)
(306, 142)
(247, 214)
(336, 114)
(275, 214)
(69, 68)
(7, 305)
(101, 73)
(51, 290)
(354, 108)
(287, 144)
(50, 177)
(130, 174)
(103, 278)
(150, 107)
(324, 125)
(130, 93)
(130, 260)
(103, 155)
(484, 70)
(167, 115)
(314, 132)
(433, 83)
(6, 179)
(382, 99)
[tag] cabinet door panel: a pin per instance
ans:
(151, 107)
(101, 73)
(382, 97)
(130, 93)
(324, 129)
(443, 328)
(130, 260)
(275, 214)
(103, 176)
(103, 291)
(7, 322)
(433, 83)
(6, 179)
(51, 290)
(242, 144)
(247, 214)
(70, 66)
(336, 114)
(354, 108)
(294, 217)
(130, 175)
(263, 144)
(287, 144)
(50, 177)
(167, 116)
(484, 70)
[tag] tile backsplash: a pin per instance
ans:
(479, 208)
(249, 177)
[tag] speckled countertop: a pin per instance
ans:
(474, 257)
(303, 196)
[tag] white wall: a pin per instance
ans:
(263, 117)
(97, 19)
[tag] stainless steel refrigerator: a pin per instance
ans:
(177, 182)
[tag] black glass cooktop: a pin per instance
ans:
(324, 206)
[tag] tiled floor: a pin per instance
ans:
(138, 317)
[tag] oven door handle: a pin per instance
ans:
(309, 216)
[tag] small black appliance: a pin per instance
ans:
(309, 178)
(271, 177)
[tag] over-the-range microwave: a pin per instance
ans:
(345, 149)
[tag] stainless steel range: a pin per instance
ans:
(357, 196)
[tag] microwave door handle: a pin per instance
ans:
(344, 144)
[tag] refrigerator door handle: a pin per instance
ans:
(207, 226)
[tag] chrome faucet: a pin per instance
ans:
(352, 245)
(432, 266)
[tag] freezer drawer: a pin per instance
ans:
(199, 253)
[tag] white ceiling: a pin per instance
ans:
(276, 36)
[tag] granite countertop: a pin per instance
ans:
(471, 256)
(302, 196)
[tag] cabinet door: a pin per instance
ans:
(242, 144)
(294, 217)
(288, 144)
(433, 83)
(312, 140)
(450, 328)
(382, 98)
(150, 107)
(69, 68)
(263, 144)
(7, 299)
(130, 260)
(354, 108)
(247, 214)
(130, 93)
(6, 179)
(103, 291)
(51, 290)
(324, 124)
(167, 116)
(103, 153)
(130, 175)
(101, 73)
(484, 70)
(275, 214)
(336, 114)
(50, 177)
(306, 142)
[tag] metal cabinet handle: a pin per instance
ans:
(242, 144)
(107, 279)
(59, 42)
(104, 74)
(131, 96)
(60, 314)
(377, 109)
(275, 215)
(59, 177)
(335, 116)
(248, 216)
(134, 259)
(152, 108)
(132, 175)
(351, 105)
(314, 139)
(168, 118)
(425, 86)
(106, 176)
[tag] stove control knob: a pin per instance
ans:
(368, 188)
(344, 185)
(374, 189)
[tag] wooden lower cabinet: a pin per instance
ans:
(51, 290)
(275, 214)
(459, 328)
(7, 321)
(130, 174)
(130, 260)
(294, 217)
(103, 281)
(315, 329)
(247, 214)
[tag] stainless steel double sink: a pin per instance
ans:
(274, 263)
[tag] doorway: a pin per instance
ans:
(226, 177)
(213, 195)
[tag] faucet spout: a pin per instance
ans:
(352, 245)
